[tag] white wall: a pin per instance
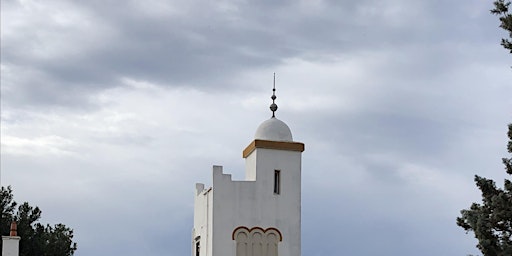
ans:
(10, 246)
(202, 230)
(251, 203)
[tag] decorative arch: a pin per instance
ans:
(256, 241)
(265, 231)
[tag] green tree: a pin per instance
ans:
(36, 239)
(491, 221)
(501, 9)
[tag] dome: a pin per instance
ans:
(273, 129)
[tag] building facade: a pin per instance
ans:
(258, 216)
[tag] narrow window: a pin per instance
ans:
(277, 182)
(198, 247)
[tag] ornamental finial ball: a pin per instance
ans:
(273, 107)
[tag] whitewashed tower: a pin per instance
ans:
(261, 215)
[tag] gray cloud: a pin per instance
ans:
(82, 48)
(112, 111)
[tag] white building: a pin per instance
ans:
(258, 216)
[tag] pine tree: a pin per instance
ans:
(491, 221)
(501, 9)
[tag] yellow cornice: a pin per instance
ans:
(268, 144)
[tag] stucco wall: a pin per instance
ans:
(10, 245)
(203, 210)
(251, 203)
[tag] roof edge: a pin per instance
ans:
(269, 144)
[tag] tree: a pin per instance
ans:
(36, 239)
(501, 9)
(491, 221)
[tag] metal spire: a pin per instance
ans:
(273, 106)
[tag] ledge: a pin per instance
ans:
(268, 144)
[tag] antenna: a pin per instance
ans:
(273, 106)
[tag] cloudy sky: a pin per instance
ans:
(111, 111)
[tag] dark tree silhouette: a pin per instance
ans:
(501, 9)
(36, 238)
(491, 221)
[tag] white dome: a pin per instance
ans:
(273, 129)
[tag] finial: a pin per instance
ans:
(273, 106)
(14, 229)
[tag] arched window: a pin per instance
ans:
(256, 241)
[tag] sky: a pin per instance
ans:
(111, 111)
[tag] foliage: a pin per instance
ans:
(501, 9)
(36, 238)
(491, 221)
